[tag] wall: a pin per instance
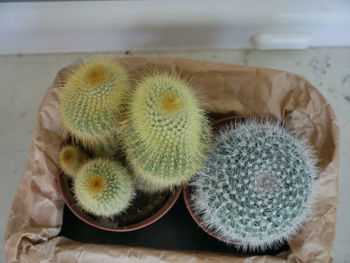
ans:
(44, 27)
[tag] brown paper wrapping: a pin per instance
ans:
(36, 215)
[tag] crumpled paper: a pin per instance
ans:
(36, 215)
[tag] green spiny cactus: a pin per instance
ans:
(71, 159)
(103, 188)
(258, 185)
(167, 134)
(105, 147)
(90, 104)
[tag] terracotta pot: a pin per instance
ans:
(187, 190)
(64, 187)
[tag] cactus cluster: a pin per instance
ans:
(167, 134)
(90, 103)
(164, 132)
(103, 187)
(71, 159)
(258, 186)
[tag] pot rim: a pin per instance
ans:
(61, 182)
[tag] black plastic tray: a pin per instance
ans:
(175, 231)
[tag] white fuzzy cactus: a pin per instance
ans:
(258, 185)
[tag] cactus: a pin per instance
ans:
(105, 148)
(90, 103)
(167, 134)
(257, 188)
(71, 159)
(103, 188)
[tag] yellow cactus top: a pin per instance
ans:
(90, 101)
(71, 159)
(103, 187)
(167, 134)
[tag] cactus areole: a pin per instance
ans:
(257, 187)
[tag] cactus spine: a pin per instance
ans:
(103, 188)
(167, 133)
(90, 103)
(71, 159)
(258, 185)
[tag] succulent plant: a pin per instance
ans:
(167, 134)
(71, 159)
(90, 103)
(258, 186)
(105, 148)
(103, 187)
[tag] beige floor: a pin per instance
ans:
(24, 79)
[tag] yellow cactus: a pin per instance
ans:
(167, 134)
(103, 188)
(90, 103)
(71, 159)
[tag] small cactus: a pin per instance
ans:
(71, 159)
(90, 103)
(167, 134)
(103, 188)
(258, 185)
